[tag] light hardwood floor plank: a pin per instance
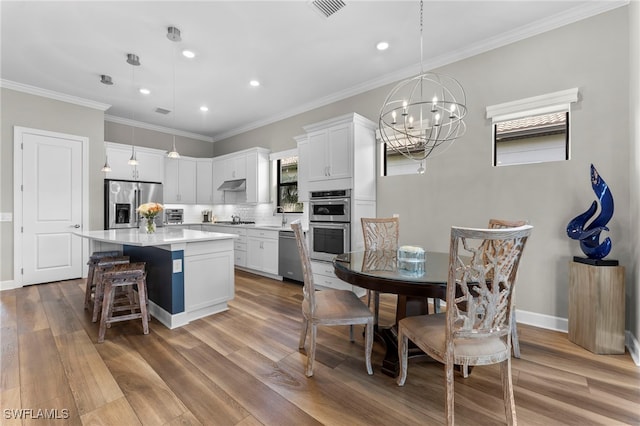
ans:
(243, 367)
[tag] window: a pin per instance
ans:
(287, 184)
(532, 130)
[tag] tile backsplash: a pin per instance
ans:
(259, 213)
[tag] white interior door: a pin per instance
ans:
(51, 207)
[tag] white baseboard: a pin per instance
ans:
(632, 344)
(543, 321)
(562, 324)
(9, 285)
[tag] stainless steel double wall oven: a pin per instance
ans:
(329, 223)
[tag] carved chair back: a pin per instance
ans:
(380, 233)
(308, 289)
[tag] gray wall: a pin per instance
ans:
(21, 109)
(461, 188)
(121, 133)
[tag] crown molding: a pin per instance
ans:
(33, 90)
(142, 125)
(571, 16)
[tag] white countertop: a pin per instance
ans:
(278, 227)
(163, 236)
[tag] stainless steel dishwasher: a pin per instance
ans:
(289, 265)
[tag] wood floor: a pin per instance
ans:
(243, 367)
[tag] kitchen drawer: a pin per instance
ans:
(240, 258)
(331, 282)
(263, 233)
(323, 268)
(240, 245)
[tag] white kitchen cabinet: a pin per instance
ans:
(251, 165)
(325, 277)
(235, 167)
(331, 150)
(262, 250)
(150, 166)
(239, 244)
(341, 154)
(303, 168)
(206, 290)
(204, 181)
(180, 181)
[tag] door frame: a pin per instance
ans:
(18, 154)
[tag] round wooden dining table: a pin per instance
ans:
(378, 270)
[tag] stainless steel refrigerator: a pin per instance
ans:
(122, 198)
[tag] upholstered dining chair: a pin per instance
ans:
(379, 234)
(476, 327)
(329, 307)
(501, 224)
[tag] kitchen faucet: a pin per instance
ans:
(284, 219)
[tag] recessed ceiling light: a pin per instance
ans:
(144, 91)
(383, 45)
(254, 83)
(188, 54)
(204, 108)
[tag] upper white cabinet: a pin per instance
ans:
(331, 150)
(150, 166)
(251, 165)
(204, 181)
(339, 153)
(180, 180)
(235, 167)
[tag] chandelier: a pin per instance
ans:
(423, 114)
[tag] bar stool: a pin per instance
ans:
(93, 260)
(102, 266)
(131, 278)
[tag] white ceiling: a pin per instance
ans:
(302, 59)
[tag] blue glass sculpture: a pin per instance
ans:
(589, 235)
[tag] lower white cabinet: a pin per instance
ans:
(324, 276)
(239, 244)
(205, 289)
(262, 250)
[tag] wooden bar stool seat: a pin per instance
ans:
(102, 265)
(131, 303)
(93, 261)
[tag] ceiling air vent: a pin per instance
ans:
(162, 111)
(327, 7)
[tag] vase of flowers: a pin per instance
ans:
(149, 211)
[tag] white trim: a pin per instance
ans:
(18, 131)
(142, 125)
(578, 13)
(543, 321)
(542, 104)
(633, 346)
(8, 285)
(33, 90)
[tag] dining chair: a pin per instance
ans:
(476, 327)
(379, 234)
(501, 224)
(328, 307)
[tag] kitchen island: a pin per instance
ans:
(189, 273)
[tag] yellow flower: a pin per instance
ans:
(150, 210)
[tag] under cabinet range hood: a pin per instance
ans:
(233, 185)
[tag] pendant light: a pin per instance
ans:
(423, 114)
(173, 34)
(134, 60)
(106, 168)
